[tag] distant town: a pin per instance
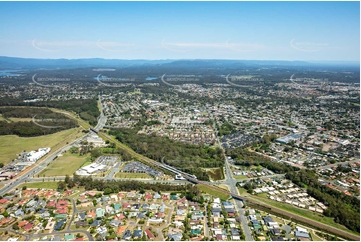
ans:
(235, 154)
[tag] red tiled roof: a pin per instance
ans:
(149, 234)
(121, 229)
(3, 200)
(23, 223)
(120, 216)
(28, 226)
(62, 211)
(51, 204)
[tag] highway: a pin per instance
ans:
(338, 163)
(232, 185)
(44, 162)
(38, 167)
(229, 181)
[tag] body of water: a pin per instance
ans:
(9, 73)
(151, 78)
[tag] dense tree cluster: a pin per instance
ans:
(42, 117)
(87, 109)
(226, 128)
(245, 157)
(112, 186)
(188, 157)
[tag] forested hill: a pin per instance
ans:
(46, 121)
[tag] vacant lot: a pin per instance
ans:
(46, 185)
(214, 193)
(12, 145)
(132, 175)
(65, 165)
(215, 174)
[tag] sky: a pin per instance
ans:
(309, 31)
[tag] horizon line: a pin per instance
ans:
(189, 59)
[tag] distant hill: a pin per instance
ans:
(33, 63)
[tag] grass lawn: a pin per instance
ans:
(65, 165)
(302, 212)
(215, 174)
(132, 175)
(314, 236)
(47, 185)
(225, 187)
(86, 163)
(242, 191)
(212, 192)
(240, 177)
(12, 145)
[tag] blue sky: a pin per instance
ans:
(315, 31)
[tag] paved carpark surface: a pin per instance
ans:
(107, 160)
(288, 229)
(237, 140)
(140, 167)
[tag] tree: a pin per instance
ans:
(16, 226)
(24, 188)
(61, 185)
(107, 191)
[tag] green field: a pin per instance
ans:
(215, 174)
(240, 177)
(302, 212)
(132, 175)
(12, 145)
(315, 237)
(65, 165)
(212, 192)
(47, 185)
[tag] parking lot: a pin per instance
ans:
(139, 167)
(238, 139)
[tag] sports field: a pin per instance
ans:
(12, 145)
(64, 165)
